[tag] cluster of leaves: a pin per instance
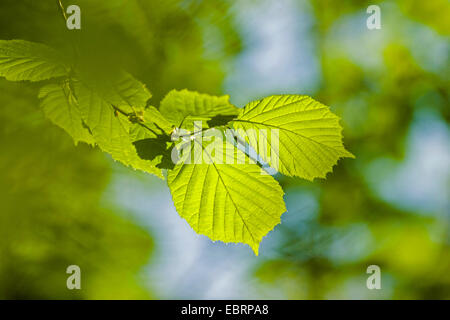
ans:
(227, 202)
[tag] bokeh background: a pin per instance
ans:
(63, 205)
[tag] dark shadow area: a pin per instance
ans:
(150, 148)
(220, 120)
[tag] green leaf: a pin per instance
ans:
(60, 106)
(226, 202)
(118, 88)
(126, 92)
(111, 129)
(183, 107)
(309, 139)
(24, 60)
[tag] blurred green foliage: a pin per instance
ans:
(51, 214)
(377, 106)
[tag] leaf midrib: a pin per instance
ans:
(228, 192)
(284, 129)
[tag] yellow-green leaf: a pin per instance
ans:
(294, 134)
(111, 129)
(227, 202)
(60, 106)
(118, 88)
(24, 60)
(152, 124)
(183, 107)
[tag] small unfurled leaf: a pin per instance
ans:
(24, 60)
(294, 134)
(60, 106)
(230, 202)
(183, 107)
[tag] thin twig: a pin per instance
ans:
(128, 117)
(62, 10)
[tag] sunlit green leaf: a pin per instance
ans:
(24, 60)
(227, 202)
(119, 89)
(60, 106)
(151, 124)
(183, 107)
(111, 129)
(294, 134)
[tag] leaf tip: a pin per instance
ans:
(255, 248)
(349, 155)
